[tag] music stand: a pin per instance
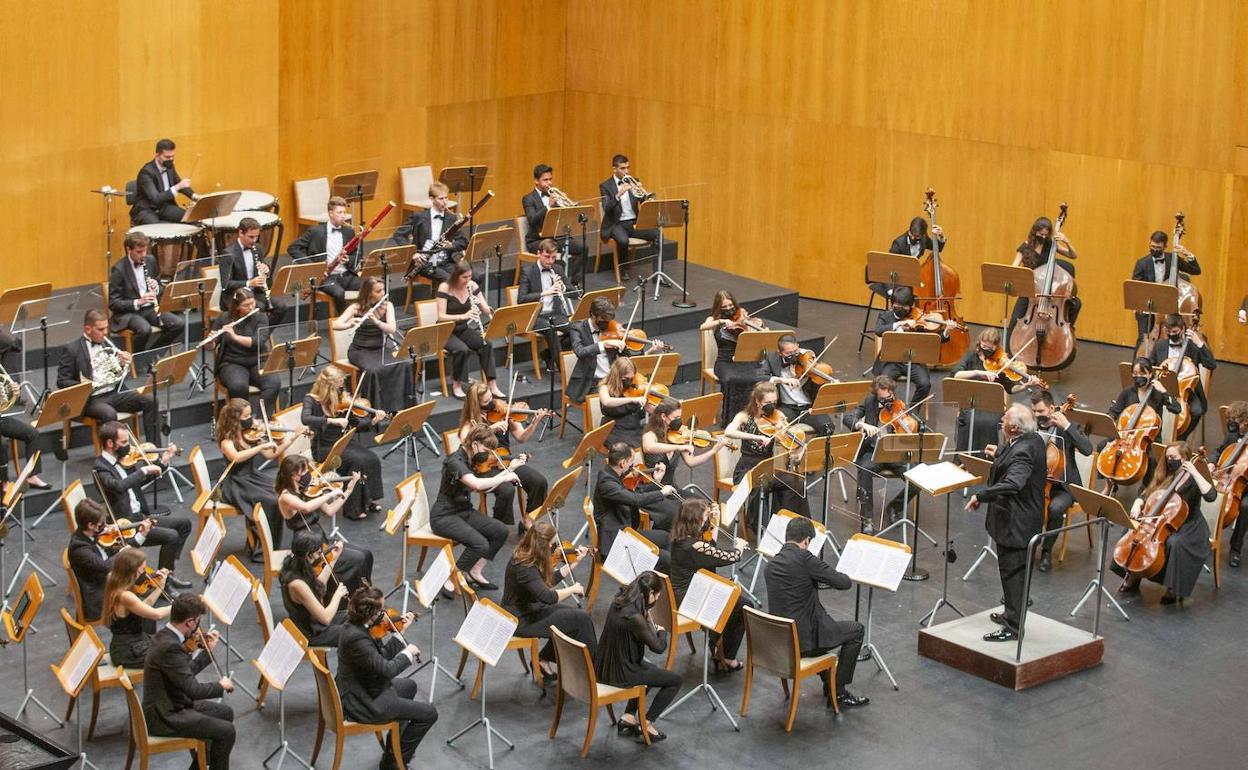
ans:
(61, 406)
(497, 624)
(668, 363)
(356, 187)
(760, 478)
(908, 449)
(276, 663)
(1008, 281)
(404, 431)
(581, 312)
(971, 395)
(1093, 423)
(560, 226)
(429, 593)
(708, 624)
(941, 480)
(1155, 299)
(486, 244)
(753, 346)
(182, 297)
(384, 261)
(592, 441)
(229, 575)
(294, 279)
(704, 409)
(981, 468)
(509, 321)
(827, 455)
(875, 578)
(166, 373)
(204, 211)
(419, 343)
(658, 215)
(291, 355)
(23, 302)
(909, 348)
(459, 179)
(1097, 505)
(17, 621)
(555, 501)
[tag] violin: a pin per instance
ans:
(326, 556)
(742, 321)
(894, 418)
(260, 432)
(121, 530)
(1125, 459)
(641, 386)
(634, 339)
(323, 482)
(1046, 322)
(519, 411)
(939, 285)
(199, 641)
(637, 475)
(493, 461)
(788, 435)
(359, 406)
(698, 438)
(146, 581)
(389, 621)
(142, 453)
(1142, 550)
(1011, 369)
(808, 367)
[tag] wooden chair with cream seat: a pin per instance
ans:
(214, 299)
(418, 530)
(578, 680)
(724, 462)
(771, 645)
(595, 546)
(203, 487)
(512, 293)
(426, 312)
(1087, 471)
(710, 350)
(74, 493)
(146, 744)
(414, 183)
(450, 445)
(273, 557)
(609, 247)
(667, 611)
(520, 644)
(103, 678)
(311, 201)
(75, 593)
(330, 716)
(567, 361)
(339, 343)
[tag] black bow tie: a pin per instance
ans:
(441, 216)
(1159, 259)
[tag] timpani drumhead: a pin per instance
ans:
(171, 243)
(254, 200)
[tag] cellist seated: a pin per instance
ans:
(1181, 537)
(1143, 389)
(902, 318)
(1232, 464)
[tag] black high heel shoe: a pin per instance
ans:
(625, 729)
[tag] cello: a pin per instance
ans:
(1125, 459)
(1142, 550)
(1190, 302)
(939, 285)
(1045, 320)
(1230, 478)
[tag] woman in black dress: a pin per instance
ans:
(629, 412)
(460, 300)
(237, 356)
(132, 620)
(621, 660)
(690, 553)
(477, 404)
(735, 379)
(302, 512)
(1033, 253)
(656, 446)
(529, 593)
(756, 447)
(328, 424)
(387, 381)
(245, 483)
(1188, 549)
(315, 610)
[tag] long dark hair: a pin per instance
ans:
(1034, 240)
(298, 567)
(635, 593)
(534, 549)
(288, 474)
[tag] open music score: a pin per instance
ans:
(940, 478)
(736, 501)
(281, 656)
(435, 576)
(486, 630)
(210, 536)
(228, 590)
(874, 561)
(773, 538)
(75, 668)
(631, 554)
(710, 600)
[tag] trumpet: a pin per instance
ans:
(638, 190)
(559, 198)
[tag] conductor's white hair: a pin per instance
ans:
(1022, 417)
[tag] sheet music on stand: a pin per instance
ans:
(229, 589)
(281, 656)
(435, 576)
(709, 600)
(775, 535)
(874, 561)
(83, 657)
(631, 554)
(210, 536)
(398, 514)
(736, 501)
(939, 478)
(486, 630)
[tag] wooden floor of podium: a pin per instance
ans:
(1051, 650)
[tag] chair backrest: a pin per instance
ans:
(199, 470)
(772, 642)
(415, 181)
(73, 494)
(710, 349)
(426, 311)
(567, 361)
(72, 627)
(591, 524)
(290, 418)
(665, 607)
(522, 230)
(312, 198)
(264, 610)
(576, 668)
(213, 272)
(340, 342)
(418, 516)
(75, 590)
(725, 460)
(466, 593)
(522, 259)
(594, 406)
(266, 537)
(138, 723)
(326, 691)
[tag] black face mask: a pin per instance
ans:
(602, 325)
(122, 450)
(769, 410)
(901, 312)
(727, 313)
(676, 424)
(1232, 426)
(480, 457)
(486, 407)
(1173, 465)
(1140, 382)
(885, 401)
(247, 423)
(789, 360)
(987, 353)
(305, 481)
(1044, 421)
(1176, 338)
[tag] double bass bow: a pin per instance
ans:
(1046, 319)
(939, 286)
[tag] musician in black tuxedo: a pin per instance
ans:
(105, 402)
(156, 189)
(123, 487)
(795, 395)
(794, 577)
(1054, 427)
(245, 265)
(536, 203)
(1015, 498)
(1158, 266)
(91, 561)
(620, 204)
(425, 229)
(896, 319)
(175, 703)
(1178, 340)
(914, 242)
(132, 303)
(866, 418)
(616, 506)
(595, 355)
(369, 682)
(326, 241)
(543, 281)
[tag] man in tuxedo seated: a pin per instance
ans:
(425, 229)
(326, 241)
(545, 281)
(91, 561)
(536, 203)
(79, 360)
(156, 189)
(1177, 340)
(133, 295)
(595, 355)
(620, 204)
(794, 577)
(796, 395)
(124, 490)
(243, 264)
(175, 703)
(897, 319)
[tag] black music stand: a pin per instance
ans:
(461, 179)
(1097, 505)
(909, 348)
(406, 428)
(356, 187)
(908, 449)
(942, 480)
(1008, 281)
(484, 245)
(205, 211)
(658, 215)
(289, 356)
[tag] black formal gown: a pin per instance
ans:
(353, 566)
(736, 380)
(621, 660)
(318, 634)
(388, 381)
(247, 484)
(628, 423)
(354, 457)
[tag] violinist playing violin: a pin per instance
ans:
(902, 317)
(1034, 252)
(986, 360)
(1236, 465)
(1187, 549)
(668, 441)
(481, 407)
(871, 417)
(131, 619)
(915, 242)
(620, 492)
(597, 347)
(1065, 437)
(1178, 344)
(1158, 266)
(726, 322)
(302, 505)
(461, 300)
(90, 559)
(122, 488)
(313, 606)
(371, 658)
(325, 412)
(624, 398)
(758, 427)
(797, 391)
(386, 380)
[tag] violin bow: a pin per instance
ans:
(108, 507)
(908, 411)
(1014, 357)
(812, 363)
(264, 413)
(653, 373)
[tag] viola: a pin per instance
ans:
(1142, 550)
(634, 339)
(388, 621)
(324, 482)
(143, 453)
(1010, 368)
(939, 286)
(146, 581)
(641, 386)
(817, 372)
(635, 476)
(894, 419)
(931, 321)
(1046, 322)
(1125, 459)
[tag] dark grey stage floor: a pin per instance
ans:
(1170, 691)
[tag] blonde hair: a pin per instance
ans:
(471, 413)
(754, 407)
(325, 389)
(615, 377)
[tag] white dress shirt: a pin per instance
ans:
(136, 508)
(626, 203)
(333, 245)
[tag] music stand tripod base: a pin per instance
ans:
(484, 721)
(704, 686)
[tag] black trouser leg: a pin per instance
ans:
(1012, 564)
(170, 536)
(1060, 501)
(414, 718)
(667, 682)
(15, 428)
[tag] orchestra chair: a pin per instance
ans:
(868, 332)
(723, 463)
(1206, 381)
(771, 644)
(1217, 524)
(567, 361)
(450, 445)
(330, 715)
(418, 531)
(147, 744)
(339, 344)
(666, 610)
(596, 558)
(414, 183)
(610, 250)
(518, 643)
(74, 493)
(127, 336)
(291, 418)
(426, 312)
(203, 484)
(522, 259)
(105, 676)
(1087, 470)
(264, 618)
(75, 593)
(311, 201)
(579, 681)
(220, 394)
(512, 293)
(710, 350)
(273, 557)
(214, 299)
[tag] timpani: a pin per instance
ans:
(254, 200)
(172, 242)
(225, 230)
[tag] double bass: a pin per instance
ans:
(939, 286)
(1190, 302)
(1142, 550)
(1046, 321)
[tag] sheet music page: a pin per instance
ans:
(873, 564)
(434, 578)
(736, 502)
(773, 537)
(717, 596)
(397, 513)
(935, 478)
(206, 546)
(79, 661)
(695, 596)
(818, 541)
(485, 633)
(630, 556)
(227, 592)
(280, 657)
